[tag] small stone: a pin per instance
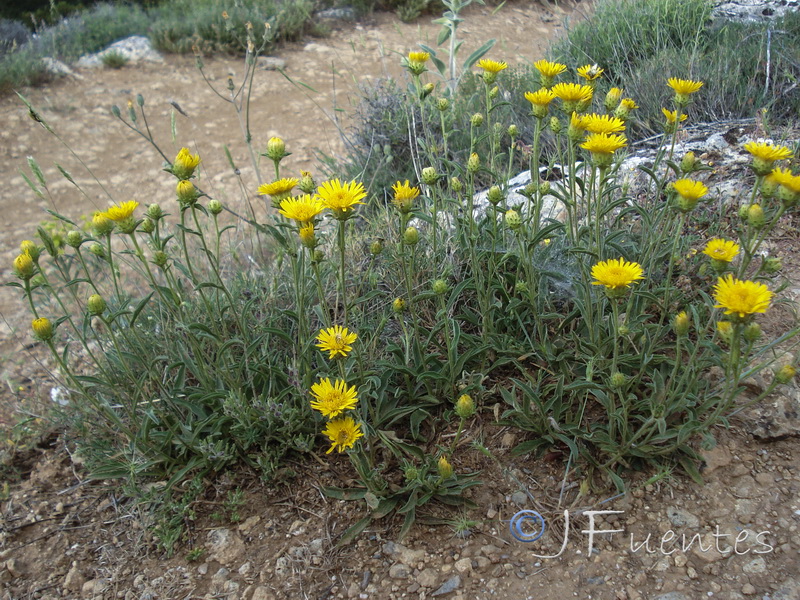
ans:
(248, 524)
(74, 580)
(682, 518)
(203, 569)
(748, 590)
(225, 546)
(428, 577)
(755, 566)
(519, 498)
(464, 566)
(262, 593)
(399, 571)
(14, 567)
(448, 586)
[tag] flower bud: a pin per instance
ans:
(101, 224)
(465, 407)
(544, 188)
(743, 210)
(24, 266)
(445, 468)
(612, 99)
(306, 184)
(623, 330)
(521, 287)
(160, 258)
(513, 220)
(427, 90)
(376, 247)
(154, 211)
(494, 195)
(42, 329)
(476, 120)
(555, 125)
(98, 250)
(681, 323)
(115, 111)
(429, 176)
(772, 264)
(494, 92)
(74, 238)
(96, 305)
(410, 472)
(317, 256)
(214, 206)
(148, 225)
(788, 196)
(689, 163)
(785, 374)
(513, 131)
(473, 163)
(185, 164)
(411, 236)
(399, 305)
(618, 380)
(307, 236)
(752, 332)
(29, 248)
(755, 216)
(276, 149)
(187, 193)
(439, 287)
(456, 185)
(442, 104)
(725, 331)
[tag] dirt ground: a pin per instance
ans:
(63, 536)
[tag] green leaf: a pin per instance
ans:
(478, 54)
(353, 532)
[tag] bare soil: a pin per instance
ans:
(64, 536)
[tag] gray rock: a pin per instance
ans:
(755, 566)
(682, 518)
(74, 580)
(136, 49)
(464, 566)
(777, 417)
(262, 593)
(789, 590)
(56, 67)
(345, 13)
(399, 571)
(671, 596)
(271, 63)
(448, 586)
(752, 10)
(283, 566)
(519, 498)
(428, 577)
(225, 546)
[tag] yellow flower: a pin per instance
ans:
(404, 195)
(690, 192)
(336, 340)
(672, 115)
(122, 211)
(616, 273)
(741, 298)
(186, 192)
(542, 97)
(42, 329)
(603, 143)
(101, 224)
(613, 98)
(572, 92)
(629, 103)
(418, 57)
(307, 236)
(185, 163)
(23, 266)
(684, 87)
(491, 66)
(719, 249)
(333, 399)
(302, 208)
(603, 124)
(549, 70)
(767, 152)
(341, 197)
(445, 468)
(785, 178)
(278, 188)
(29, 248)
(681, 323)
(342, 433)
(590, 72)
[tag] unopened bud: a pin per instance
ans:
(513, 131)
(785, 374)
(513, 220)
(411, 236)
(307, 236)
(399, 305)
(743, 211)
(476, 120)
(306, 184)
(29, 248)
(98, 250)
(429, 176)
(772, 264)
(318, 256)
(618, 380)
(755, 216)
(186, 192)
(521, 287)
(544, 188)
(494, 195)
(154, 211)
(465, 407)
(689, 163)
(42, 329)
(96, 305)
(752, 332)
(456, 185)
(439, 287)
(555, 125)
(427, 90)
(442, 104)
(494, 92)
(214, 206)
(148, 225)
(74, 238)
(376, 247)
(445, 468)
(473, 163)
(276, 149)
(24, 266)
(682, 323)
(612, 99)
(160, 258)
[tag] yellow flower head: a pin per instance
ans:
(29, 248)
(767, 152)
(302, 208)
(122, 211)
(492, 66)
(331, 399)
(185, 163)
(307, 235)
(672, 115)
(42, 329)
(418, 57)
(785, 178)
(278, 188)
(613, 98)
(616, 273)
(603, 143)
(336, 340)
(542, 97)
(590, 72)
(741, 298)
(444, 467)
(23, 266)
(341, 197)
(684, 86)
(404, 195)
(549, 70)
(578, 122)
(681, 323)
(573, 92)
(101, 224)
(719, 249)
(689, 188)
(629, 103)
(603, 124)
(343, 434)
